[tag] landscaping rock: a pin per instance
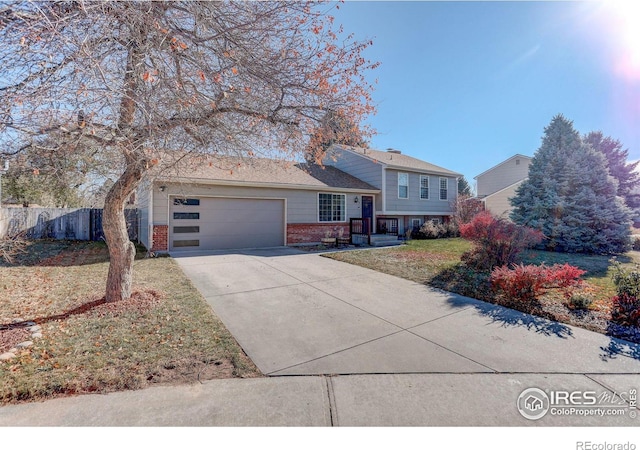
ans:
(24, 344)
(36, 335)
(34, 328)
(17, 320)
(6, 356)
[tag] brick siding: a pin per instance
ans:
(160, 238)
(308, 233)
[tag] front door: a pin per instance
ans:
(367, 210)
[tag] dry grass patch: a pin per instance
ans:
(417, 260)
(166, 333)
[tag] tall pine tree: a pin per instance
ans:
(570, 196)
(619, 168)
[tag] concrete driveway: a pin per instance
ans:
(296, 313)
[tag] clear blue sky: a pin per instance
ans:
(466, 85)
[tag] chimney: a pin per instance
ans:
(393, 150)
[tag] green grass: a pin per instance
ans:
(166, 334)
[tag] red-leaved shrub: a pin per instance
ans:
(528, 283)
(625, 310)
(498, 242)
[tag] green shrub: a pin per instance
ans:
(627, 281)
(580, 301)
(626, 305)
(635, 242)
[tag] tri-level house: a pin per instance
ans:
(412, 191)
(225, 203)
(497, 185)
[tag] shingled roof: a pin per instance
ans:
(262, 171)
(396, 160)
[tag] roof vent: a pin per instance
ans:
(393, 150)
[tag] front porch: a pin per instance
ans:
(360, 231)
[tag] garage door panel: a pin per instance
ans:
(227, 223)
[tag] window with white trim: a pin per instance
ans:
(424, 187)
(403, 185)
(444, 189)
(332, 207)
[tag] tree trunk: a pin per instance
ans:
(121, 250)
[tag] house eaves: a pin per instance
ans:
(516, 156)
(305, 187)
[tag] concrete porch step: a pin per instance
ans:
(383, 240)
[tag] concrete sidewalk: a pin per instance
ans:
(357, 400)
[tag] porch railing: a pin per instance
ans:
(387, 226)
(360, 230)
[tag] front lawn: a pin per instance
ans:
(437, 263)
(167, 333)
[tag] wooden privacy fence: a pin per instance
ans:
(84, 224)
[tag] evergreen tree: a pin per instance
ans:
(624, 172)
(570, 196)
(464, 189)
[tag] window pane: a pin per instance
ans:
(186, 243)
(195, 229)
(424, 187)
(186, 201)
(443, 188)
(331, 207)
(179, 215)
(403, 185)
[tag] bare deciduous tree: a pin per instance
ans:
(148, 82)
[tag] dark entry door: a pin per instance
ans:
(367, 211)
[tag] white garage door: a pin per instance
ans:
(225, 223)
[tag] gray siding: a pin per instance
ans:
(143, 199)
(503, 175)
(414, 204)
(301, 205)
(356, 165)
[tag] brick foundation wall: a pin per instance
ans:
(160, 238)
(309, 233)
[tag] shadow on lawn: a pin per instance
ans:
(65, 315)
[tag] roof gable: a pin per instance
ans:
(506, 161)
(262, 171)
(395, 160)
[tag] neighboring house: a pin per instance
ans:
(497, 185)
(224, 203)
(412, 191)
